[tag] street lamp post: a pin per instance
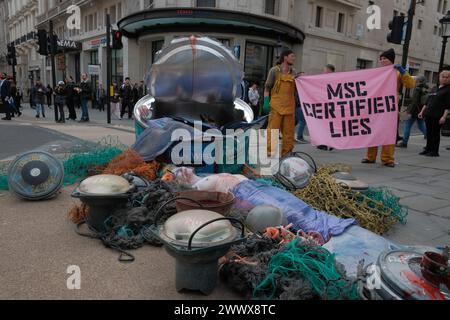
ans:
(445, 33)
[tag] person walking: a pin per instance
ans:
(387, 58)
(135, 95)
(435, 113)
(49, 96)
(5, 94)
(300, 118)
(12, 99)
(115, 102)
(60, 100)
(279, 102)
(418, 100)
(85, 92)
(39, 94)
(100, 97)
(142, 92)
(126, 94)
(253, 97)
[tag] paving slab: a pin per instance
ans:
(443, 212)
(424, 203)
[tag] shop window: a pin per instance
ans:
(428, 75)
(156, 46)
(272, 7)
(258, 61)
(341, 23)
(319, 13)
(363, 64)
(112, 13)
(206, 3)
(117, 66)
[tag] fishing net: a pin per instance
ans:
(315, 265)
(131, 161)
(376, 210)
(4, 175)
(261, 269)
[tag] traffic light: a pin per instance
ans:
(11, 56)
(396, 27)
(52, 41)
(116, 40)
(43, 42)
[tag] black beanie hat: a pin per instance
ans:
(390, 55)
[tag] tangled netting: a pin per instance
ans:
(4, 175)
(127, 227)
(78, 166)
(261, 269)
(376, 210)
(131, 161)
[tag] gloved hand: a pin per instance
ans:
(400, 69)
(266, 106)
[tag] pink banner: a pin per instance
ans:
(351, 110)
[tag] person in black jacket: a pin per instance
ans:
(435, 113)
(5, 94)
(85, 92)
(60, 99)
(126, 93)
(70, 98)
(417, 102)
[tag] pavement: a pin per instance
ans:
(38, 243)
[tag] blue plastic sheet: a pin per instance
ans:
(356, 244)
(251, 193)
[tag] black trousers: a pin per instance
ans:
(433, 134)
(126, 105)
(71, 107)
(7, 108)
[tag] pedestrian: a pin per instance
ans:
(39, 94)
(115, 102)
(435, 113)
(85, 94)
(253, 97)
(13, 99)
(300, 118)
(49, 96)
(18, 100)
(142, 91)
(5, 94)
(70, 98)
(279, 102)
(30, 94)
(387, 58)
(100, 97)
(60, 100)
(329, 68)
(126, 94)
(135, 94)
(420, 95)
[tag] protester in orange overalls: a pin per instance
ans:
(403, 78)
(279, 99)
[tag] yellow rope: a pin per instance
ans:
(325, 194)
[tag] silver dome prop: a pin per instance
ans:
(197, 239)
(195, 79)
(296, 170)
(262, 217)
(103, 194)
(350, 181)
